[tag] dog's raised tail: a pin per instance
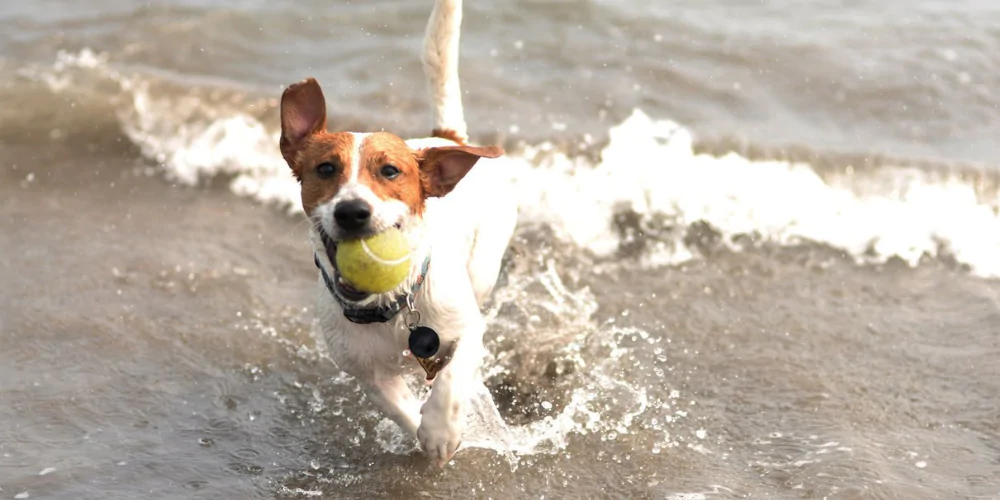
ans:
(440, 60)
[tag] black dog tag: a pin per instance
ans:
(424, 342)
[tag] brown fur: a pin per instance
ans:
(443, 167)
(303, 113)
(381, 149)
(447, 133)
(305, 144)
(320, 148)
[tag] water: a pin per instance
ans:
(757, 256)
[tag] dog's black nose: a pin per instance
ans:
(353, 214)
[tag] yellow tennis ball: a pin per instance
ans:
(377, 264)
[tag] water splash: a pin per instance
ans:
(601, 402)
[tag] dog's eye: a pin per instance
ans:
(325, 170)
(390, 172)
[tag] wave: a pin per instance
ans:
(649, 169)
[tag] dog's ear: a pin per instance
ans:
(303, 113)
(441, 168)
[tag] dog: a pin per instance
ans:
(457, 219)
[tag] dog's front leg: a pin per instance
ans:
(396, 401)
(443, 415)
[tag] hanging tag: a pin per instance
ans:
(424, 343)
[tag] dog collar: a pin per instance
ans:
(378, 314)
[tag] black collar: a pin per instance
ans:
(378, 314)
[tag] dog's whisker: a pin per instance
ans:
(297, 226)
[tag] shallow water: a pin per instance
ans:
(669, 325)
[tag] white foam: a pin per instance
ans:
(189, 150)
(648, 166)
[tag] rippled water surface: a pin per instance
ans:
(684, 313)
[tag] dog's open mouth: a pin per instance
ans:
(343, 287)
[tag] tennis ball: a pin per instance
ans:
(376, 264)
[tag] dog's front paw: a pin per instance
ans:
(440, 433)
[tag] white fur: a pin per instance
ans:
(358, 140)
(466, 234)
(440, 60)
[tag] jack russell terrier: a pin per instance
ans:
(457, 220)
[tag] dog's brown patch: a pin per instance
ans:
(322, 148)
(443, 167)
(380, 150)
(303, 114)
(447, 133)
(305, 145)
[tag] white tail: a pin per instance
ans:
(441, 68)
